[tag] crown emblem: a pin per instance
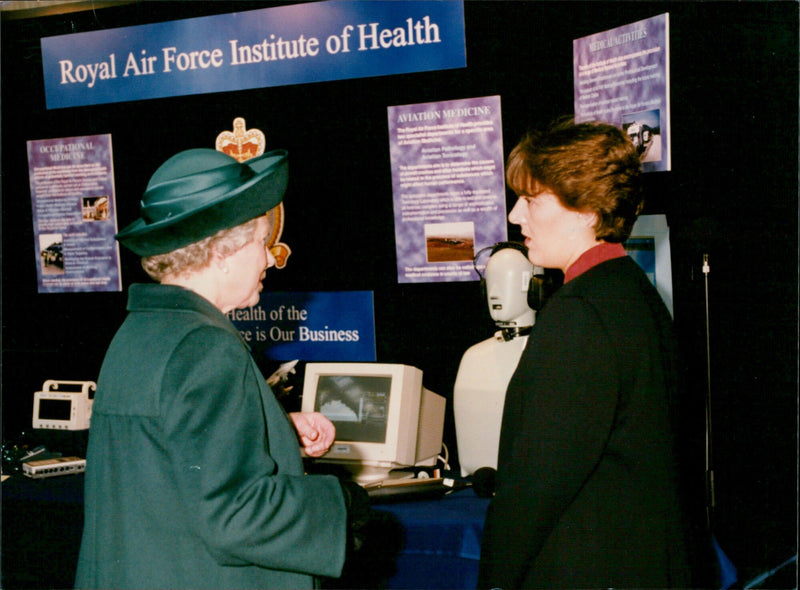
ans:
(243, 144)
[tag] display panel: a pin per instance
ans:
(55, 409)
(357, 405)
(649, 246)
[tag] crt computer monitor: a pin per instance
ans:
(385, 419)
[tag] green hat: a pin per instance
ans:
(198, 192)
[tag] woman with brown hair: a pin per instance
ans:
(587, 494)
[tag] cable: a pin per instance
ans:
(758, 579)
(444, 458)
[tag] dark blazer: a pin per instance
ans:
(586, 492)
(194, 477)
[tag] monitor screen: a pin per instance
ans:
(358, 405)
(648, 245)
(384, 418)
(55, 409)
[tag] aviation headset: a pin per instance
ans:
(539, 287)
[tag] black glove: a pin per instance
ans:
(356, 500)
(483, 482)
(374, 540)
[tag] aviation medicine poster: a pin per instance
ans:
(448, 186)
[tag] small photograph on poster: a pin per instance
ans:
(448, 242)
(96, 208)
(74, 216)
(644, 129)
(52, 253)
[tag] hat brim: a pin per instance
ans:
(261, 193)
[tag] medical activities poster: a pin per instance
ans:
(622, 78)
(277, 46)
(448, 186)
(74, 214)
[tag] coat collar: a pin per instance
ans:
(594, 256)
(157, 297)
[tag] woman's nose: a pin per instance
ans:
(517, 212)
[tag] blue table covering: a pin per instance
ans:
(42, 522)
(442, 541)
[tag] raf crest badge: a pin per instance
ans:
(243, 144)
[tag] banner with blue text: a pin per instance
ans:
(284, 45)
(316, 326)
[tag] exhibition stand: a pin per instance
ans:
(43, 520)
(398, 119)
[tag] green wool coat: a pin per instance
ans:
(194, 477)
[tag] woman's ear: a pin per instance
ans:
(219, 261)
(589, 219)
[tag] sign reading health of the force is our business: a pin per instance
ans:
(316, 326)
(295, 44)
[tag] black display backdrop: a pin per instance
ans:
(732, 194)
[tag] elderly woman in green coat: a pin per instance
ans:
(194, 475)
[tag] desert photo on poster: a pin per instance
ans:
(448, 242)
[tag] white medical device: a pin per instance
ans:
(53, 467)
(63, 405)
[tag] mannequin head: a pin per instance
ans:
(508, 275)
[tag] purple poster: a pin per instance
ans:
(74, 214)
(622, 77)
(448, 185)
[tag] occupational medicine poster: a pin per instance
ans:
(622, 78)
(448, 186)
(313, 326)
(74, 214)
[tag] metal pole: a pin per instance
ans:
(710, 499)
